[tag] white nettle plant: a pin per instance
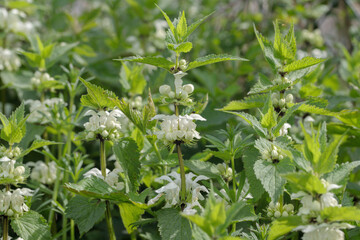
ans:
(171, 191)
(181, 93)
(104, 124)
(9, 60)
(178, 128)
(40, 78)
(40, 112)
(8, 169)
(44, 173)
(12, 202)
(15, 21)
(310, 210)
(112, 177)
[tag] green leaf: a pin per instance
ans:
(128, 155)
(253, 101)
(181, 27)
(329, 156)
(302, 63)
(306, 182)
(269, 119)
(14, 128)
(249, 158)
(58, 52)
(31, 226)
(130, 214)
(341, 172)
(193, 27)
(154, 61)
(213, 58)
(284, 225)
(282, 47)
(172, 225)
(289, 112)
(132, 79)
(340, 214)
(179, 48)
(97, 97)
(290, 38)
(38, 143)
(270, 176)
(96, 188)
(250, 119)
(46, 52)
(207, 169)
(33, 58)
(171, 25)
(85, 211)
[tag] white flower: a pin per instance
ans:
(44, 173)
(178, 128)
(284, 129)
(13, 20)
(165, 89)
(12, 202)
(112, 178)
(41, 77)
(181, 92)
(103, 123)
(323, 231)
(9, 60)
(172, 189)
(40, 112)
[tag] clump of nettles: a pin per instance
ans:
(44, 173)
(103, 125)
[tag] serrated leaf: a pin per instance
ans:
(268, 120)
(282, 47)
(97, 97)
(31, 226)
(171, 25)
(179, 48)
(128, 155)
(249, 158)
(302, 63)
(290, 38)
(172, 225)
(341, 172)
(193, 27)
(270, 176)
(329, 156)
(96, 188)
(213, 58)
(306, 182)
(181, 27)
(85, 211)
(154, 61)
(261, 88)
(38, 143)
(250, 119)
(340, 214)
(253, 101)
(284, 225)
(130, 214)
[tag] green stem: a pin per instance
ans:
(6, 221)
(72, 229)
(103, 172)
(233, 174)
(182, 173)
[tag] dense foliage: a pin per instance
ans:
(225, 120)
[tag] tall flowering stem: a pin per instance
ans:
(103, 172)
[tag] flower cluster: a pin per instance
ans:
(112, 178)
(40, 112)
(44, 173)
(181, 92)
(9, 60)
(14, 21)
(8, 170)
(272, 154)
(281, 102)
(12, 153)
(103, 124)
(178, 128)
(40, 78)
(172, 189)
(315, 226)
(225, 172)
(277, 210)
(12, 203)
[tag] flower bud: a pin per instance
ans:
(274, 154)
(105, 133)
(189, 88)
(285, 214)
(182, 62)
(282, 102)
(10, 212)
(289, 98)
(20, 170)
(277, 214)
(269, 214)
(164, 89)
(171, 94)
(281, 157)
(90, 135)
(289, 207)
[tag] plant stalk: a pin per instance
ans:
(6, 221)
(182, 174)
(103, 172)
(233, 174)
